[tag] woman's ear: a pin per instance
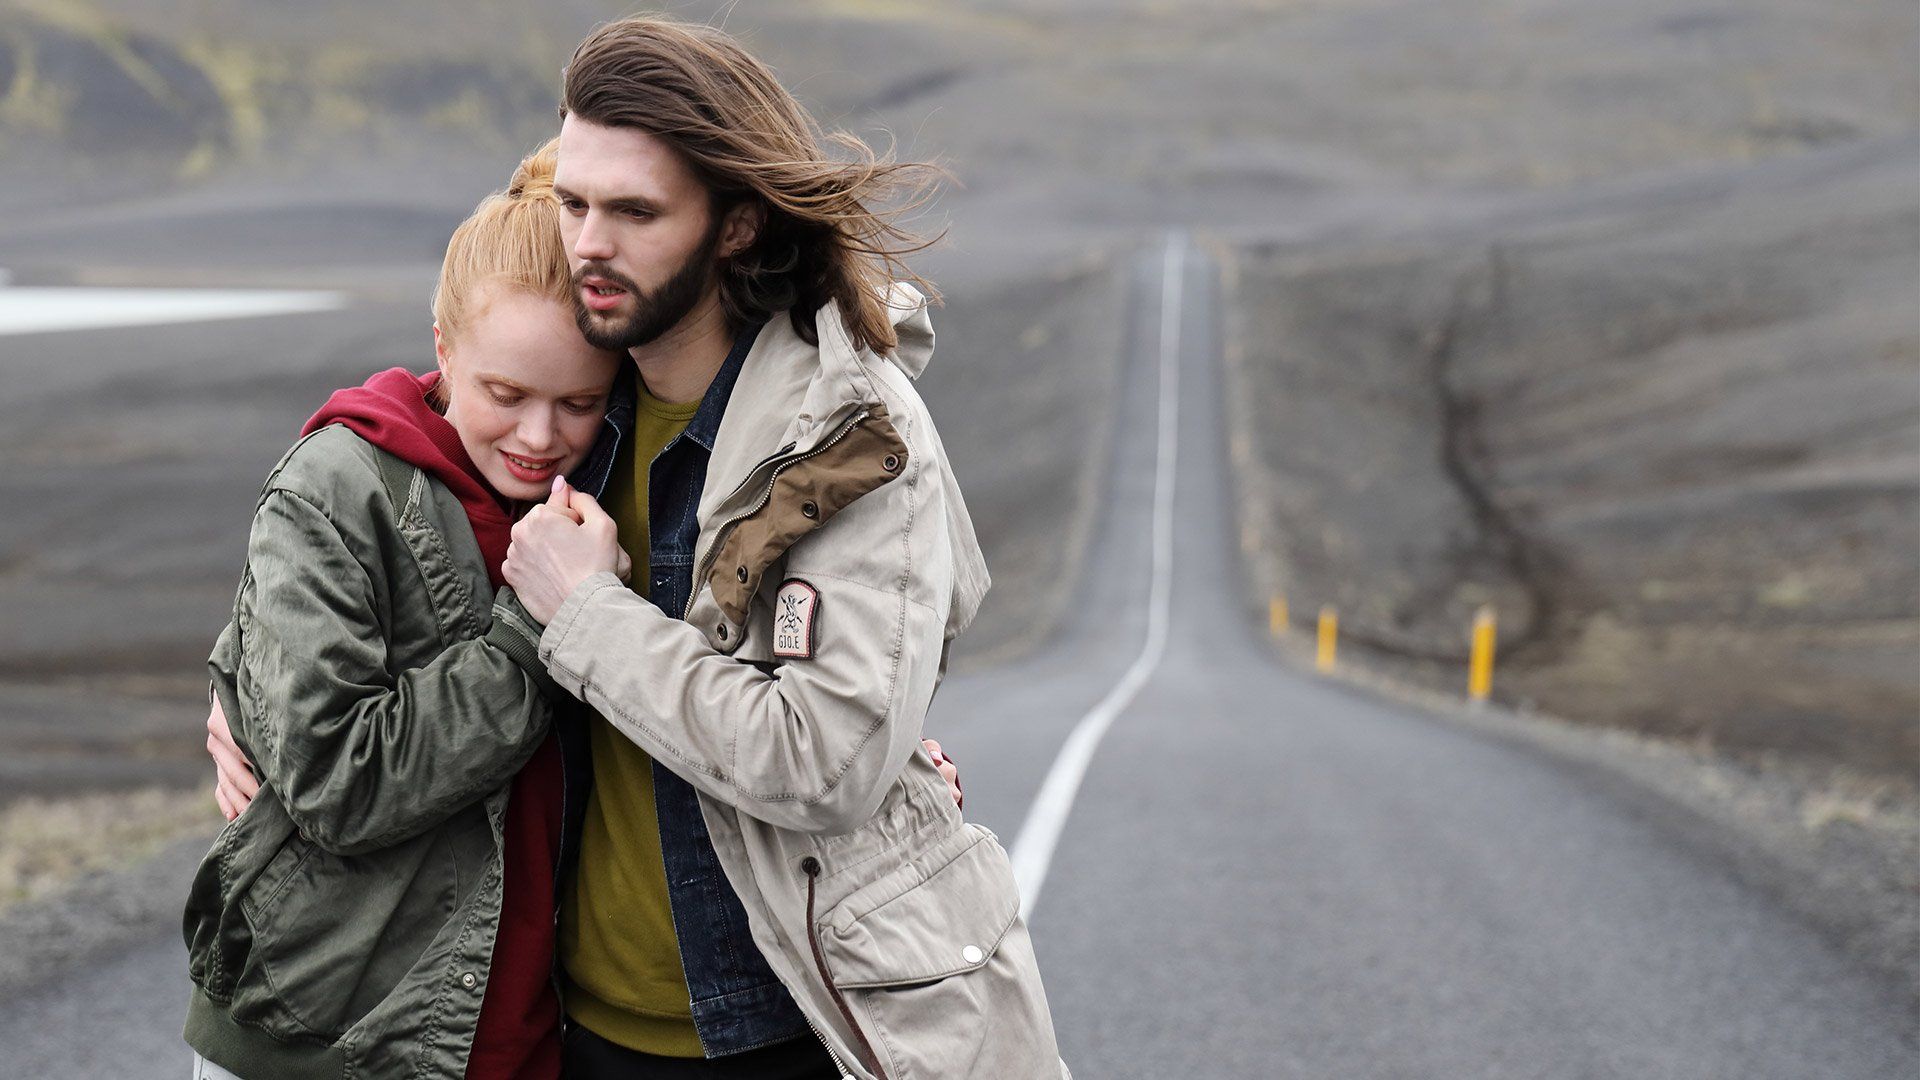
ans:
(441, 351)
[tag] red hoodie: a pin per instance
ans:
(519, 1032)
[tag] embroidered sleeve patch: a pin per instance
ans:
(796, 611)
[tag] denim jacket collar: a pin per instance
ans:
(591, 475)
(706, 421)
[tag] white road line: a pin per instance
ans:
(41, 310)
(1040, 833)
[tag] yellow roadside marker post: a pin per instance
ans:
(1480, 668)
(1329, 630)
(1277, 616)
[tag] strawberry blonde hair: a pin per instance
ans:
(511, 239)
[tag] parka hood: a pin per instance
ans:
(914, 327)
(793, 395)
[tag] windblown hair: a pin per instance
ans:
(831, 229)
(511, 240)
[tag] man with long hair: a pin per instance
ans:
(769, 878)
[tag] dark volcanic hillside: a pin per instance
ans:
(1673, 436)
(1603, 313)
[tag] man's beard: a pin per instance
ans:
(654, 313)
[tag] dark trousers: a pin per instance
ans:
(589, 1057)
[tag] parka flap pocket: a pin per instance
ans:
(802, 495)
(941, 914)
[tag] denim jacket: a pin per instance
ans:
(738, 1003)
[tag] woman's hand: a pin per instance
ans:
(947, 769)
(622, 569)
(234, 784)
(558, 545)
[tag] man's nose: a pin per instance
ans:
(594, 244)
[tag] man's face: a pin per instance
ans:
(640, 232)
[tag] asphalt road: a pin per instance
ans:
(1264, 873)
(1270, 875)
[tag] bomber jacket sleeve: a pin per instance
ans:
(360, 758)
(812, 744)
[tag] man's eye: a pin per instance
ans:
(637, 214)
(573, 205)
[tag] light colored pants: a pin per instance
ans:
(207, 1070)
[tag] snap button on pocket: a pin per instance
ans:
(972, 954)
(723, 631)
(469, 981)
(891, 463)
(741, 574)
(810, 508)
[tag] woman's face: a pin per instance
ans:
(524, 390)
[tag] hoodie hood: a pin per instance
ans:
(391, 411)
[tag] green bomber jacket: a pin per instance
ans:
(343, 925)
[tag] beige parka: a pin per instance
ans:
(836, 563)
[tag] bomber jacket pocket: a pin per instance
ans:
(256, 903)
(333, 935)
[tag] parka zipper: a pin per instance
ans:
(811, 867)
(706, 561)
(831, 1056)
(810, 864)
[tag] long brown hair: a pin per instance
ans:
(832, 227)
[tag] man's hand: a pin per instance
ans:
(622, 569)
(947, 769)
(558, 545)
(234, 785)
